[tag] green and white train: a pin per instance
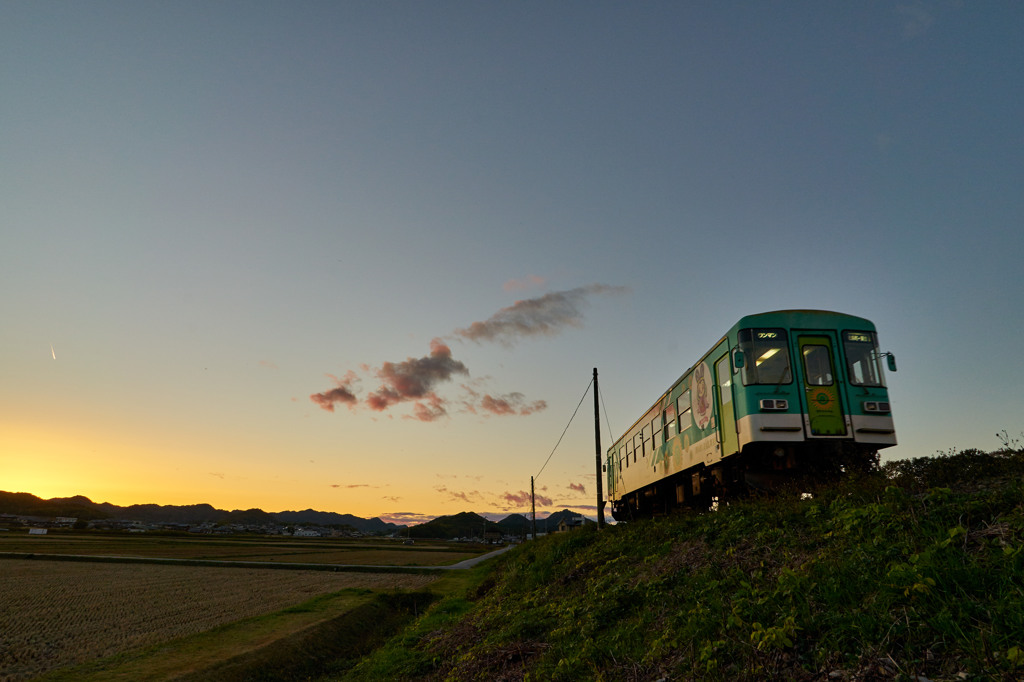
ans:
(782, 394)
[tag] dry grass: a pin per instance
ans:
(57, 614)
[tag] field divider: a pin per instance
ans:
(280, 565)
(220, 563)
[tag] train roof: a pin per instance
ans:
(802, 318)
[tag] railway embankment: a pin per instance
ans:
(915, 573)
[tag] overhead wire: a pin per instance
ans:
(585, 392)
(607, 422)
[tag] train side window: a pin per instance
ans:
(669, 421)
(683, 407)
(647, 439)
(659, 433)
(622, 450)
(629, 451)
(766, 356)
(638, 446)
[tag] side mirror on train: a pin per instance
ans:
(737, 359)
(891, 361)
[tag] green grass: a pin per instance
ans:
(885, 578)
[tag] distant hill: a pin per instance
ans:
(26, 504)
(517, 523)
(469, 524)
(319, 518)
(462, 525)
(514, 523)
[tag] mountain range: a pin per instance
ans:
(83, 508)
(465, 524)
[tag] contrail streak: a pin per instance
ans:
(53, 352)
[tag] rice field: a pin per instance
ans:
(56, 614)
(373, 552)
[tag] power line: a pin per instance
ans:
(566, 428)
(607, 422)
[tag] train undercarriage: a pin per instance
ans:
(761, 469)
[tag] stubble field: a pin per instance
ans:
(278, 550)
(55, 614)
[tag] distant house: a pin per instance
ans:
(570, 522)
(37, 531)
(306, 533)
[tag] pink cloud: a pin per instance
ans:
(414, 378)
(531, 281)
(343, 393)
(578, 487)
(429, 410)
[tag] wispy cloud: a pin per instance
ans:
(521, 499)
(470, 497)
(403, 518)
(547, 315)
(514, 403)
(578, 487)
(416, 380)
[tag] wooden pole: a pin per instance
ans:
(533, 507)
(597, 446)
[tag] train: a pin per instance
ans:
(789, 395)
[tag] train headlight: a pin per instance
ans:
(876, 406)
(774, 404)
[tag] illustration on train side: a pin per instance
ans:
(785, 394)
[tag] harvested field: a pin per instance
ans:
(57, 614)
(262, 549)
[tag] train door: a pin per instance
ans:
(726, 414)
(825, 415)
(613, 472)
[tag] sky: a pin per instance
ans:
(363, 257)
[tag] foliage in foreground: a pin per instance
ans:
(886, 578)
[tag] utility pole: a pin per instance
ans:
(597, 446)
(533, 507)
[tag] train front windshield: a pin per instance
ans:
(862, 358)
(767, 353)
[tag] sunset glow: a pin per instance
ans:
(363, 257)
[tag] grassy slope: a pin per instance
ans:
(920, 573)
